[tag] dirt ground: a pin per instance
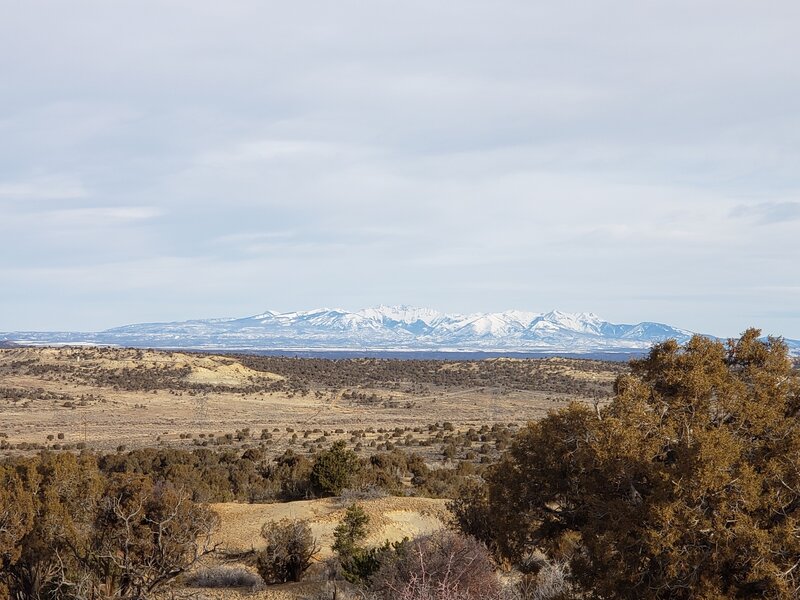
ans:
(391, 518)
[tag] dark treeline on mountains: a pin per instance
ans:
(511, 374)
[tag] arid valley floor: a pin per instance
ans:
(104, 398)
(117, 400)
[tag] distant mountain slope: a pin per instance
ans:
(383, 328)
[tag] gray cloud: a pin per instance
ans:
(163, 160)
(46, 188)
(767, 213)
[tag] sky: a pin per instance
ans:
(183, 159)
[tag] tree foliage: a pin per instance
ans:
(442, 566)
(16, 521)
(68, 532)
(146, 534)
(351, 531)
(61, 490)
(358, 563)
(686, 486)
(334, 469)
(290, 547)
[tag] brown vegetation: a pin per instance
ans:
(290, 546)
(441, 566)
(67, 531)
(107, 397)
(686, 486)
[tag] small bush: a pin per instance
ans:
(290, 548)
(334, 469)
(224, 577)
(550, 583)
(443, 566)
(358, 564)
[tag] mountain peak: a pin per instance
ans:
(384, 328)
(265, 315)
(402, 313)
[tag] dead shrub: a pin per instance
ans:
(290, 548)
(442, 566)
(550, 583)
(224, 577)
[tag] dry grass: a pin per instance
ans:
(203, 394)
(81, 393)
(391, 518)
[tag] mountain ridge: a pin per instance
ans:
(385, 328)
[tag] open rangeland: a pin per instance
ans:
(154, 474)
(105, 398)
(146, 411)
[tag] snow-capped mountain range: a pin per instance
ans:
(385, 328)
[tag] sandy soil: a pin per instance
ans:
(391, 519)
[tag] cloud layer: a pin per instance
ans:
(169, 160)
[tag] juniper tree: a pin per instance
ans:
(333, 469)
(687, 485)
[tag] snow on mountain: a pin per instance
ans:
(477, 328)
(409, 315)
(521, 317)
(386, 328)
(581, 322)
(654, 331)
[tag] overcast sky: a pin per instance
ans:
(187, 159)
